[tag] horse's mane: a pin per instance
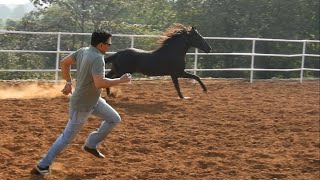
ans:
(172, 32)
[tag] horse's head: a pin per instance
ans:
(197, 41)
(189, 34)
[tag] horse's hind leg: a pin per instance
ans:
(176, 85)
(192, 76)
(110, 74)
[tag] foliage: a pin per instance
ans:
(286, 19)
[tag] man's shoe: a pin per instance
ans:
(40, 171)
(94, 152)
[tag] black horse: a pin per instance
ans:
(169, 59)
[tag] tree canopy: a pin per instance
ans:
(286, 19)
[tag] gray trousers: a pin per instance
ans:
(77, 119)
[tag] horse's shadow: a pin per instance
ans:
(140, 108)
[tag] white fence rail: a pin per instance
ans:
(253, 54)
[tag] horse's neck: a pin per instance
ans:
(178, 47)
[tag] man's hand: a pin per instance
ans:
(67, 89)
(125, 78)
(65, 64)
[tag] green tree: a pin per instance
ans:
(287, 19)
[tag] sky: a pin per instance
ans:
(14, 1)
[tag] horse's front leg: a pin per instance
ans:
(195, 77)
(176, 85)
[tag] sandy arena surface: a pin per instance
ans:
(237, 130)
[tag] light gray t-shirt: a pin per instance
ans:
(89, 62)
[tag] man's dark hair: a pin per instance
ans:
(99, 36)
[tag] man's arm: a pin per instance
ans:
(101, 82)
(65, 65)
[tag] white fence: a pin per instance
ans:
(253, 54)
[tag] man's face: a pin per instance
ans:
(104, 47)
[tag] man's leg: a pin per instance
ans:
(75, 123)
(110, 119)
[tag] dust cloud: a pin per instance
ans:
(30, 90)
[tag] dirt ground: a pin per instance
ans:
(237, 130)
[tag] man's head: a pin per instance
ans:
(101, 40)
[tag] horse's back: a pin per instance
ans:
(128, 60)
(133, 60)
(132, 55)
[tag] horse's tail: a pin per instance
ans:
(110, 58)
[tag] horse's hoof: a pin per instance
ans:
(185, 98)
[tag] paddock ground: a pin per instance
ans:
(237, 130)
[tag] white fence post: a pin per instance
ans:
(252, 59)
(132, 41)
(302, 60)
(195, 66)
(58, 57)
